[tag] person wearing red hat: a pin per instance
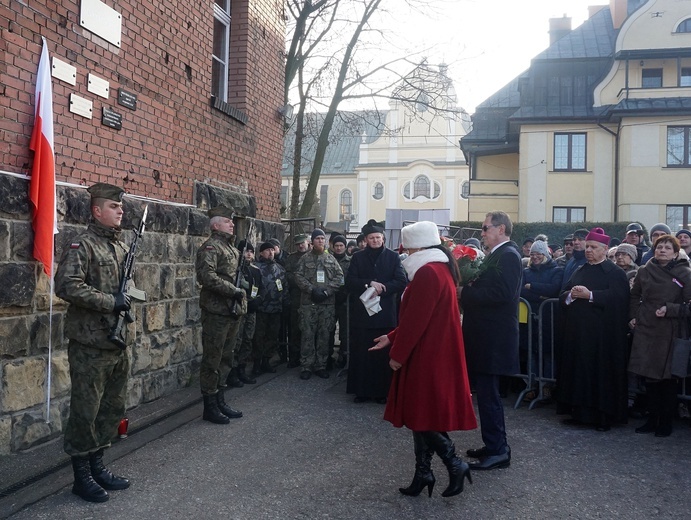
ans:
(592, 377)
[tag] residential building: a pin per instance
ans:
(404, 158)
(597, 128)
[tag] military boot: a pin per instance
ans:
(224, 408)
(242, 376)
(103, 476)
(211, 411)
(84, 485)
(233, 380)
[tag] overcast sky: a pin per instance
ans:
(487, 42)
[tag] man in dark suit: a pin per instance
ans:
(490, 333)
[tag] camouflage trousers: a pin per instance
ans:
(244, 343)
(266, 335)
(97, 402)
(316, 322)
(218, 342)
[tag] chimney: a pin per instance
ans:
(558, 28)
(620, 9)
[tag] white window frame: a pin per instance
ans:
(224, 17)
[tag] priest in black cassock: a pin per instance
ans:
(592, 376)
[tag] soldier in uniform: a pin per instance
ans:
(88, 278)
(338, 250)
(301, 243)
(319, 277)
(219, 299)
(276, 298)
(252, 283)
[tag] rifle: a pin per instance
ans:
(238, 274)
(115, 335)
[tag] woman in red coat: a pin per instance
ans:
(429, 392)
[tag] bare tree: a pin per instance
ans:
(324, 79)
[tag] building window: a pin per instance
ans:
(568, 214)
(346, 204)
(569, 152)
(219, 58)
(678, 217)
(685, 26)
(378, 191)
(685, 78)
(465, 189)
(421, 186)
(651, 78)
(678, 149)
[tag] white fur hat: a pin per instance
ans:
(421, 234)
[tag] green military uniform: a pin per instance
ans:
(319, 277)
(216, 267)
(294, 336)
(341, 312)
(87, 277)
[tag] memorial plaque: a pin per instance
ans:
(64, 71)
(111, 118)
(127, 99)
(81, 106)
(98, 86)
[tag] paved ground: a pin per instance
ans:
(305, 451)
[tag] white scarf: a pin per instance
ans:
(423, 257)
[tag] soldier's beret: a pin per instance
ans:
(299, 239)
(220, 211)
(101, 190)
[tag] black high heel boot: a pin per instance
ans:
(458, 470)
(652, 391)
(423, 468)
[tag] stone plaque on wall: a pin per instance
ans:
(81, 106)
(103, 21)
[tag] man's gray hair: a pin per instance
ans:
(216, 221)
(499, 218)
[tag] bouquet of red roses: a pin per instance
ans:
(469, 260)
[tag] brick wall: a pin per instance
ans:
(174, 137)
(175, 147)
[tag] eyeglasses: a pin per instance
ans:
(485, 228)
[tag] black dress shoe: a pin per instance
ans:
(484, 452)
(492, 462)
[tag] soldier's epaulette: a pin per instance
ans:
(75, 245)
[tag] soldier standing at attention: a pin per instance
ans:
(216, 266)
(88, 278)
(319, 277)
(301, 243)
(338, 250)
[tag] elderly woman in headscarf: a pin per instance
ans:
(592, 377)
(430, 393)
(541, 280)
(659, 296)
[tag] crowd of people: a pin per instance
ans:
(413, 333)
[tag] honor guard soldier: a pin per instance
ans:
(88, 278)
(221, 304)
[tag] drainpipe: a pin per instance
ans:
(616, 166)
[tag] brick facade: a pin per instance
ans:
(176, 147)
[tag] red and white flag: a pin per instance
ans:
(42, 187)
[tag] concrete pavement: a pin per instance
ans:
(304, 450)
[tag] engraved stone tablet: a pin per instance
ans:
(81, 106)
(64, 71)
(98, 86)
(111, 118)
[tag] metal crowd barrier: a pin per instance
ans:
(525, 317)
(542, 379)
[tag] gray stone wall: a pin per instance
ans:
(166, 354)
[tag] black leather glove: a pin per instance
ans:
(319, 294)
(239, 295)
(122, 302)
